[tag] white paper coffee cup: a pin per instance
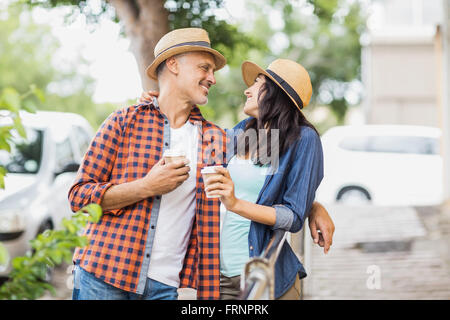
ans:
(172, 155)
(210, 172)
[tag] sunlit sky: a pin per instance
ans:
(110, 62)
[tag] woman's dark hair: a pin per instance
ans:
(275, 111)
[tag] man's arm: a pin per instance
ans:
(93, 177)
(162, 178)
(122, 195)
(93, 183)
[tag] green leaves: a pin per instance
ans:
(94, 211)
(51, 248)
(11, 102)
(2, 177)
(4, 256)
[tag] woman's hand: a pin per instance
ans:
(321, 226)
(148, 96)
(222, 185)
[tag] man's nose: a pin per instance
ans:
(211, 79)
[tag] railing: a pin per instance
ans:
(259, 279)
(258, 275)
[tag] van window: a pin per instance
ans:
(404, 144)
(391, 144)
(64, 154)
(83, 140)
(354, 143)
(25, 155)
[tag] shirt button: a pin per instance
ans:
(166, 144)
(251, 247)
(165, 122)
(148, 255)
(153, 227)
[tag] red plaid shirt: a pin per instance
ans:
(125, 148)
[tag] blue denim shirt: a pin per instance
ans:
(291, 191)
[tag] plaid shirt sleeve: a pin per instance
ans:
(92, 179)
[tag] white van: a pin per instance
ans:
(386, 165)
(41, 169)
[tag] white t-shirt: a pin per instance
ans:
(176, 214)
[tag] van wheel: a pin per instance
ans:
(46, 225)
(353, 196)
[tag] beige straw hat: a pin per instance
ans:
(183, 40)
(289, 75)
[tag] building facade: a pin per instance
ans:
(400, 63)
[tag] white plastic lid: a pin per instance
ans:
(174, 153)
(211, 169)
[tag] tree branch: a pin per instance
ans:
(128, 13)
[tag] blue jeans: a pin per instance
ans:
(88, 287)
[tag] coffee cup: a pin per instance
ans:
(208, 172)
(174, 155)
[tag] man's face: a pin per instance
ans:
(196, 76)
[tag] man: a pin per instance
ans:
(159, 231)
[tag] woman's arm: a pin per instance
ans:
(303, 178)
(223, 185)
(302, 181)
(255, 212)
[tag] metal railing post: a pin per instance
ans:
(258, 276)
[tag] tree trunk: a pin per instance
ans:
(145, 22)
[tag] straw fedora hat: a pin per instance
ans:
(289, 75)
(183, 40)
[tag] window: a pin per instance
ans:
(354, 143)
(25, 155)
(404, 144)
(64, 155)
(391, 144)
(83, 140)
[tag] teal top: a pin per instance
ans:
(234, 252)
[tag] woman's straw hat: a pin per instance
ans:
(183, 40)
(289, 75)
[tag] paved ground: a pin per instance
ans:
(377, 253)
(383, 253)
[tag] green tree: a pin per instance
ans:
(145, 22)
(26, 58)
(322, 35)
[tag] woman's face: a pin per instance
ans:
(252, 92)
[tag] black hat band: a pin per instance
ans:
(192, 43)
(286, 87)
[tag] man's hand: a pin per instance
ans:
(148, 96)
(164, 178)
(321, 226)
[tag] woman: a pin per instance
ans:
(259, 201)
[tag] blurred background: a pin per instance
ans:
(381, 101)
